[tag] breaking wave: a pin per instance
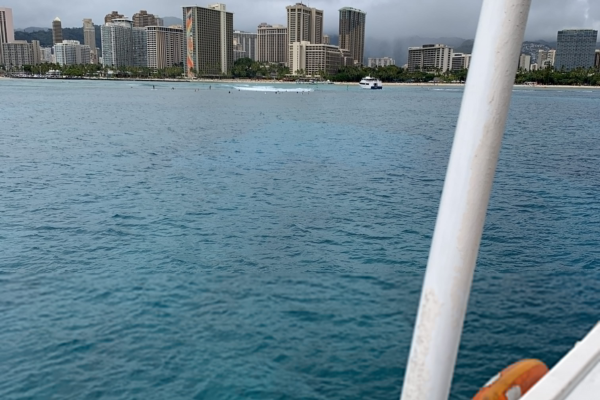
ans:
(271, 89)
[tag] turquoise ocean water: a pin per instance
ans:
(248, 244)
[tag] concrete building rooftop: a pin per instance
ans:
(352, 9)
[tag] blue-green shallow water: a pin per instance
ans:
(248, 245)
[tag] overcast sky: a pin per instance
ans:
(385, 18)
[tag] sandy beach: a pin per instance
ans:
(276, 82)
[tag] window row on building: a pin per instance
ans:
(317, 59)
(71, 52)
(381, 62)
(19, 53)
(575, 48)
(430, 57)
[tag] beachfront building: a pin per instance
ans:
(317, 59)
(381, 62)
(72, 52)
(460, 61)
(525, 62)
(245, 45)
(165, 47)
(430, 57)
(208, 40)
(19, 53)
(272, 43)
(575, 48)
(117, 43)
(597, 60)
(305, 24)
(352, 32)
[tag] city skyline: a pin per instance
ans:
(304, 32)
(450, 19)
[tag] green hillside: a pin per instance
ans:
(45, 37)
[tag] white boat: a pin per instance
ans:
(370, 83)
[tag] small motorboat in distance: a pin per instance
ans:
(370, 83)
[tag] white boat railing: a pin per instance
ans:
(465, 199)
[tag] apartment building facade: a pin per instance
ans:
(430, 57)
(575, 48)
(352, 32)
(18, 53)
(165, 47)
(272, 43)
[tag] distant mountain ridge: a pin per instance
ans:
(466, 47)
(168, 21)
(31, 29)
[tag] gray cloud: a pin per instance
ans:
(386, 19)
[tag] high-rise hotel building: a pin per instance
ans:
(123, 45)
(272, 43)
(117, 43)
(89, 39)
(305, 24)
(165, 47)
(430, 57)
(575, 48)
(7, 29)
(208, 40)
(140, 47)
(352, 32)
(57, 33)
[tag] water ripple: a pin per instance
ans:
(215, 245)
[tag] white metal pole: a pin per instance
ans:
(465, 199)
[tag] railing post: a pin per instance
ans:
(465, 199)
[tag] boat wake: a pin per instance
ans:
(270, 89)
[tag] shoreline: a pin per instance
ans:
(276, 82)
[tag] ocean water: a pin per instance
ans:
(244, 243)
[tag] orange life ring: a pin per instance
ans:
(513, 382)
